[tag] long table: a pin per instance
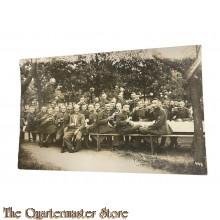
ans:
(180, 129)
(177, 127)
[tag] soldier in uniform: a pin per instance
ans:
(124, 124)
(97, 107)
(70, 109)
(74, 129)
(40, 128)
(81, 102)
(103, 120)
(103, 101)
(49, 125)
(180, 113)
(139, 112)
(31, 123)
(160, 126)
(91, 123)
(62, 121)
(56, 111)
(84, 111)
(121, 99)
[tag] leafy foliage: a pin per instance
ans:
(74, 78)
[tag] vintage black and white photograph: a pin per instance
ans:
(134, 111)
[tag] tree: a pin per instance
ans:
(193, 75)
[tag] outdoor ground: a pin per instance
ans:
(126, 159)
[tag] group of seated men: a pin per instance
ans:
(69, 124)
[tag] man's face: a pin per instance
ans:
(84, 107)
(76, 108)
(70, 106)
(112, 105)
(140, 104)
(44, 109)
(155, 104)
(120, 96)
(146, 103)
(108, 107)
(103, 96)
(26, 107)
(32, 110)
(181, 104)
(114, 100)
(57, 109)
(126, 108)
(50, 110)
(176, 103)
(63, 109)
(82, 99)
(96, 99)
(97, 106)
(132, 96)
(91, 108)
(118, 106)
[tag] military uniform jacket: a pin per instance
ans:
(160, 127)
(62, 121)
(39, 119)
(85, 113)
(122, 101)
(78, 120)
(102, 122)
(121, 124)
(93, 116)
(138, 114)
(31, 123)
(181, 113)
(102, 103)
(49, 125)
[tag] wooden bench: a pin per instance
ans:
(100, 137)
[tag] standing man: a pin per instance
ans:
(31, 123)
(76, 124)
(40, 128)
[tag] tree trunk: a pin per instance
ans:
(38, 82)
(199, 140)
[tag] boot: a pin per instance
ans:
(78, 145)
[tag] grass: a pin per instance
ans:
(176, 161)
(27, 161)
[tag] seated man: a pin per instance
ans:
(139, 113)
(160, 126)
(49, 125)
(105, 122)
(84, 110)
(180, 113)
(124, 124)
(104, 117)
(76, 124)
(62, 121)
(91, 125)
